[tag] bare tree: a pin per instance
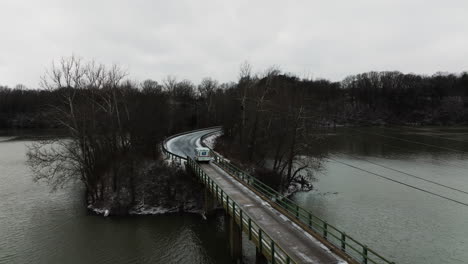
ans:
(94, 110)
(245, 83)
(170, 84)
(150, 86)
(207, 90)
(273, 126)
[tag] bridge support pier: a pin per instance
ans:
(235, 238)
(259, 257)
(209, 204)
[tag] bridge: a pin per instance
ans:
(282, 231)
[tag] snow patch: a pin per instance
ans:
(175, 163)
(99, 211)
(210, 141)
(4, 139)
(161, 211)
(304, 256)
(158, 210)
(198, 143)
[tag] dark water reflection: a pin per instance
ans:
(407, 225)
(37, 226)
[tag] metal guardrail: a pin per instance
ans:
(174, 156)
(348, 245)
(266, 245)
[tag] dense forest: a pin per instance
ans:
(115, 125)
(368, 98)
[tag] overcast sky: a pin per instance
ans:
(194, 39)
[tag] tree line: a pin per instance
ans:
(272, 117)
(368, 98)
(269, 118)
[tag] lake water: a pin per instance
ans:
(404, 224)
(37, 226)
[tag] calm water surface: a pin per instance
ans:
(403, 224)
(37, 226)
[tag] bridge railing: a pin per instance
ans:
(173, 156)
(266, 245)
(350, 246)
(347, 244)
(170, 155)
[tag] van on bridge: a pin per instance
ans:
(202, 154)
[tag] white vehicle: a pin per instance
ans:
(202, 154)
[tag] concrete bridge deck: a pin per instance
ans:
(297, 243)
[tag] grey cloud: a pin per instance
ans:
(194, 39)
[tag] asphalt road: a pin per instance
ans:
(184, 145)
(301, 246)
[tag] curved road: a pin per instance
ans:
(184, 145)
(298, 244)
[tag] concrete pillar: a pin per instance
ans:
(259, 257)
(209, 202)
(235, 238)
